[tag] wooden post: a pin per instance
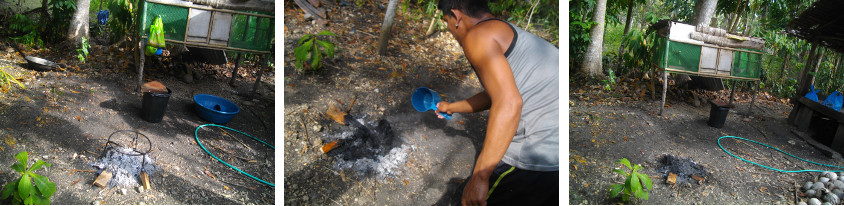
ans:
(753, 98)
(140, 64)
(260, 73)
(664, 90)
(234, 72)
(732, 92)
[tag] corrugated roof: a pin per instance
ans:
(822, 23)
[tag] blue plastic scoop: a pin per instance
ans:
(425, 99)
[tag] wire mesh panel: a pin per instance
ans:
(746, 65)
(683, 56)
(251, 32)
(175, 19)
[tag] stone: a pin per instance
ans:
(306, 198)
(814, 201)
(818, 185)
(123, 191)
(140, 189)
(317, 128)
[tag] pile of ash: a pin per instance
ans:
(371, 148)
(682, 167)
(126, 166)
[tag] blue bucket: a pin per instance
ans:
(424, 99)
(214, 108)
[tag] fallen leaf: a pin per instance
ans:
(382, 68)
(78, 118)
(209, 174)
(227, 187)
(575, 167)
(698, 178)
(672, 178)
(406, 182)
(75, 181)
(460, 122)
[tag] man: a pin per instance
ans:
(519, 161)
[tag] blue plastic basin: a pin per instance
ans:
(214, 108)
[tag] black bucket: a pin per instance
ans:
(717, 115)
(154, 105)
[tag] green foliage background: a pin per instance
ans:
(785, 55)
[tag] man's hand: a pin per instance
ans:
(476, 190)
(443, 107)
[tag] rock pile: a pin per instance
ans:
(826, 189)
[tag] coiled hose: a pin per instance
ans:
(195, 135)
(775, 169)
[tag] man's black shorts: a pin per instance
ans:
(513, 186)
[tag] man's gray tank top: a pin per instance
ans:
(535, 65)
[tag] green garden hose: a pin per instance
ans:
(778, 170)
(195, 135)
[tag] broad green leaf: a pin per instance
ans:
(29, 200)
(625, 162)
(635, 185)
(316, 57)
(329, 47)
(615, 189)
(44, 185)
(620, 171)
(645, 180)
(41, 200)
(326, 32)
(22, 157)
(636, 167)
(305, 38)
(641, 194)
(25, 186)
(9, 189)
(38, 165)
(18, 167)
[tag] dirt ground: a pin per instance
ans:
(607, 126)
(441, 153)
(64, 117)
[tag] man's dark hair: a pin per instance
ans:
(473, 8)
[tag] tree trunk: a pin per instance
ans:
(747, 24)
(532, 9)
(626, 26)
(433, 23)
(79, 23)
(592, 59)
(738, 16)
(816, 65)
(784, 66)
(387, 27)
(804, 84)
(705, 11)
